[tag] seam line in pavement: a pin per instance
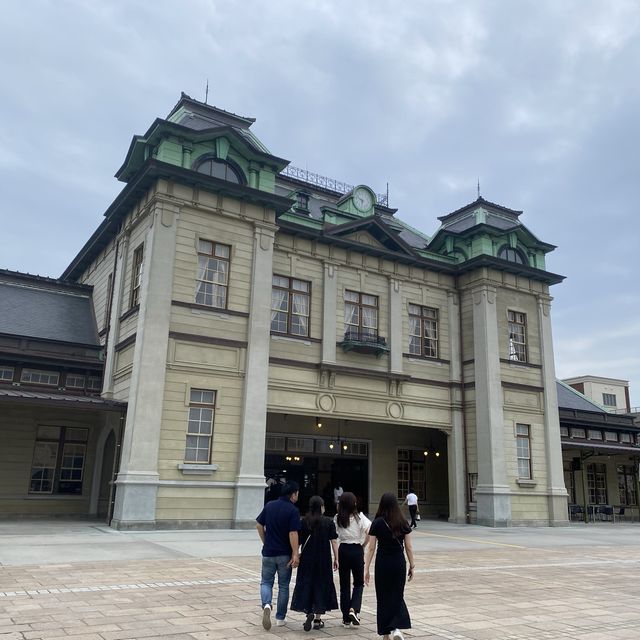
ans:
(256, 577)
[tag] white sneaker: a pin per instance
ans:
(396, 634)
(266, 617)
(281, 623)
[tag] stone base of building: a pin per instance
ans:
(165, 525)
(493, 506)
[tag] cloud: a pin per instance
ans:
(537, 99)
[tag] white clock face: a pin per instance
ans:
(362, 199)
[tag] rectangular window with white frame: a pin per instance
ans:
(473, 485)
(136, 276)
(411, 473)
(609, 399)
(212, 280)
(360, 316)
(597, 483)
(74, 381)
(58, 460)
(627, 495)
(6, 373)
(200, 426)
(423, 331)
(517, 336)
(35, 376)
(523, 447)
(290, 306)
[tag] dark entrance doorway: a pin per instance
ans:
(319, 475)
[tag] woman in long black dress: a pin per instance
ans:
(391, 534)
(315, 593)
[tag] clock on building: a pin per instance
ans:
(362, 199)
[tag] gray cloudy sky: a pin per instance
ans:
(538, 99)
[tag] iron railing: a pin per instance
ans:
(327, 183)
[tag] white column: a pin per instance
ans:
(114, 318)
(395, 325)
(329, 310)
(137, 481)
(553, 448)
(249, 497)
(492, 493)
(456, 444)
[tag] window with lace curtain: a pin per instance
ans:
(136, 276)
(212, 280)
(290, 303)
(423, 331)
(517, 336)
(360, 316)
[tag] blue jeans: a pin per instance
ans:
(269, 567)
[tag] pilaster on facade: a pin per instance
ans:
(456, 440)
(249, 495)
(553, 446)
(113, 332)
(329, 311)
(493, 494)
(395, 325)
(138, 476)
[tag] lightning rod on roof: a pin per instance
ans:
(206, 92)
(478, 188)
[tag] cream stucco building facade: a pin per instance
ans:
(263, 323)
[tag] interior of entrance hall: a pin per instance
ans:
(365, 458)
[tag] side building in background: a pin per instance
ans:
(263, 323)
(612, 394)
(601, 454)
(58, 437)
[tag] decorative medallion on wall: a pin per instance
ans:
(395, 410)
(326, 402)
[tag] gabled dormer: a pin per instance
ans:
(370, 231)
(483, 229)
(202, 138)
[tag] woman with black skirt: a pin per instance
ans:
(315, 593)
(391, 534)
(352, 528)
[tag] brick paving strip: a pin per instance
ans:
(507, 594)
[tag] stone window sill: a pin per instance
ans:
(197, 469)
(523, 482)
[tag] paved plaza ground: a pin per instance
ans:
(84, 581)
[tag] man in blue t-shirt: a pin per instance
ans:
(278, 526)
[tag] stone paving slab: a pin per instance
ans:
(498, 589)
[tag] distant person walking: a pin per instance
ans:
(337, 492)
(278, 525)
(352, 528)
(390, 533)
(315, 593)
(412, 501)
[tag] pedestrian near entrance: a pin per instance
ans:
(278, 525)
(337, 492)
(412, 501)
(390, 533)
(315, 593)
(352, 528)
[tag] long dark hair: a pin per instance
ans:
(347, 507)
(389, 510)
(314, 515)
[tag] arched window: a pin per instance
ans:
(220, 169)
(512, 255)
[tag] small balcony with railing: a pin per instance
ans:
(361, 340)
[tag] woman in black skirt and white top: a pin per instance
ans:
(391, 534)
(352, 528)
(315, 593)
